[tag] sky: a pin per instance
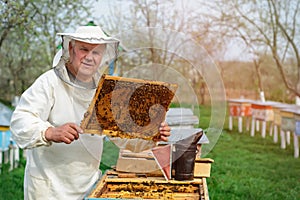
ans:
(236, 49)
(102, 6)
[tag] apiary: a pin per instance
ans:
(139, 179)
(114, 185)
(135, 108)
(240, 109)
(128, 108)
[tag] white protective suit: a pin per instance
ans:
(59, 170)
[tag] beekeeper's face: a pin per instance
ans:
(85, 58)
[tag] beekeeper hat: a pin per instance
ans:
(87, 34)
(90, 34)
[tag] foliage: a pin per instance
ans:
(28, 38)
(215, 26)
(241, 76)
(266, 27)
(156, 34)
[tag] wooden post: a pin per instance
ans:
(271, 128)
(263, 129)
(257, 125)
(296, 146)
(275, 137)
(282, 136)
(253, 127)
(288, 137)
(240, 124)
(230, 123)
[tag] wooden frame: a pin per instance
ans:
(128, 108)
(114, 185)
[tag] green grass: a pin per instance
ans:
(11, 183)
(244, 168)
(253, 168)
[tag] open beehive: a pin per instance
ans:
(128, 108)
(112, 186)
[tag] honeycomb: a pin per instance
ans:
(148, 188)
(128, 108)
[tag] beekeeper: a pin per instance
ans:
(61, 162)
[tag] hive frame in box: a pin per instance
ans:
(112, 186)
(128, 107)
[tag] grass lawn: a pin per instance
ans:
(248, 167)
(245, 168)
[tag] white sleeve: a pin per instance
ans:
(29, 120)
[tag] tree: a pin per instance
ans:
(168, 41)
(28, 38)
(165, 28)
(269, 27)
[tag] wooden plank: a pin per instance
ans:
(99, 188)
(205, 188)
(202, 170)
(110, 186)
(158, 180)
(143, 195)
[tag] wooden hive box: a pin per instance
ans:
(142, 162)
(297, 122)
(262, 111)
(128, 108)
(287, 119)
(202, 167)
(114, 186)
(239, 107)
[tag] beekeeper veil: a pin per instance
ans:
(91, 35)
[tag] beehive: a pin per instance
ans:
(111, 186)
(128, 108)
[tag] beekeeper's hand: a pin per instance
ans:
(164, 133)
(66, 133)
